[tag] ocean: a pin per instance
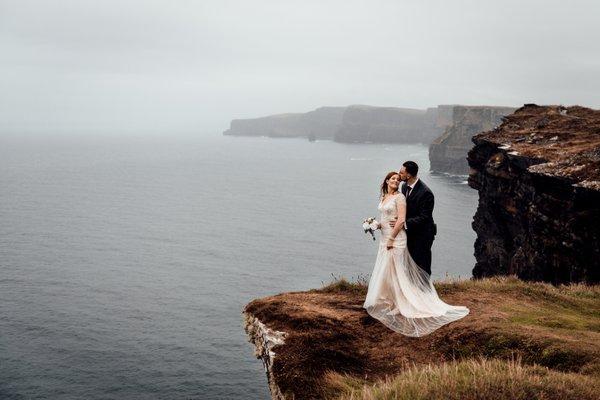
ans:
(125, 261)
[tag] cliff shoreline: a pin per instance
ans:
(351, 124)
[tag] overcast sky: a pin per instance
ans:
(191, 66)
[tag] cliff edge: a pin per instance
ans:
(538, 178)
(520, 339)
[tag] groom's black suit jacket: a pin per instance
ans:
(420, 227)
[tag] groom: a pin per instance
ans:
(419, 225)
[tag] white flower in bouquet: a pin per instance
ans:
(370, 225)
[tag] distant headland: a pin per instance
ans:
(447, 129)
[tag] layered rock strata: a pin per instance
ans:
(387, 125)
(538, 177)
(440, 117)
(448, 152)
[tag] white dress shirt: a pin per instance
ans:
(408, 194)
(412, 186)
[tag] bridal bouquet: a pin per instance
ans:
(370, 225)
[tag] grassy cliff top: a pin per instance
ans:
(566, 140)
(534, 335)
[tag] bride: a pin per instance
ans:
(400, 293)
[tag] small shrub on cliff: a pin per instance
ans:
(341, 284)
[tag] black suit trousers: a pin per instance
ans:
(419, 247)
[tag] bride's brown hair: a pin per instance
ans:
(384, 184)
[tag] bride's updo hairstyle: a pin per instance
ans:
(384, 184)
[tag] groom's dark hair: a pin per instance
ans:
(411, 167)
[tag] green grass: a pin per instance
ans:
(554, 326)
(570, 307)
(542, 325)
(340, 284)
(469, 380)
(555, 317)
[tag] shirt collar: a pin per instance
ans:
(413, 185)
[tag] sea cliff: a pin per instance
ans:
(538, 178)
(520, 340)
(356, 123)
(319, 124)
(388, 125)
(448, 152)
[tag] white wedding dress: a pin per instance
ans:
(400, 293)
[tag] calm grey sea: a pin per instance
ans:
(125, 261)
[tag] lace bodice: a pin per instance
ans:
(388, 211)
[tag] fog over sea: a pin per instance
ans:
(125, 261)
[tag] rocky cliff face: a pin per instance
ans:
(320, 123)
(387, 125)
(538, 177)
(448, 153)
(440, 117)
(264, 339)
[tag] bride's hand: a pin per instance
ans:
(390, 244)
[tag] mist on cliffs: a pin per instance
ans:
(141, 66)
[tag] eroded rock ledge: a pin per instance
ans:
(328, 333)
(538, 177)
(264, 339)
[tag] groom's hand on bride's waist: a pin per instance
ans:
(393, 223)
